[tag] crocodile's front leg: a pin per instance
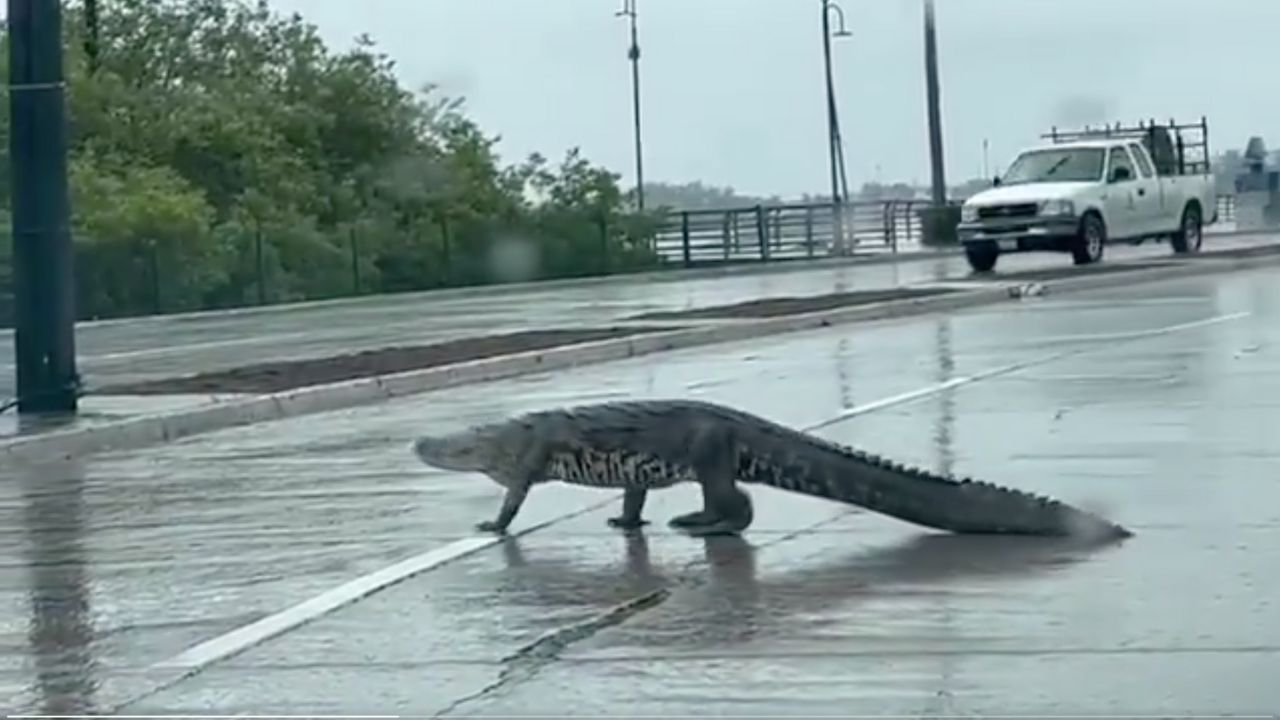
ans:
(632, 508)
(511, 503)
(517, 485)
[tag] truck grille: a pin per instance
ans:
(1007, 211)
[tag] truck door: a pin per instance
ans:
(1149, 192)
(1122, 195)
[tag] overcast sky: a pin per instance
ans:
(733, 93)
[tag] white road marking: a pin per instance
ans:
(1094, 340)
(223, 646)
(246, 636)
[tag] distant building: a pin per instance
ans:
(1257, 190)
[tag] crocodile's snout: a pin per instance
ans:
(439, 452)
(423, 447)
(462, 452)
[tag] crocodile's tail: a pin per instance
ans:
(824, 469)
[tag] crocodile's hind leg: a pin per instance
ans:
(697, 517)
(729, 513)
(734, 504)
(726, 508)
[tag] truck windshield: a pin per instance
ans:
(1054, 165)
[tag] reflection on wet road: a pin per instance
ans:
(817, 609)
(60, 631)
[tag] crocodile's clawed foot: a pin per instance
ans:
(490, 526)
(721, 527)
(701, 517)
(626, 523)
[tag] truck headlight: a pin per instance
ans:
(1056, 208)
(968, 213)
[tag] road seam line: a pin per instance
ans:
(529, 659)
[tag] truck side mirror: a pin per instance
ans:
(1121, 174)
(995, 182)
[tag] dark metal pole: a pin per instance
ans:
(935, 107)
(354, 238)
(835, 148)
(44, 336)
(831, 101)
(259, 260)
(633, 53)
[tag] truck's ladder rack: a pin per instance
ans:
(1173, 153)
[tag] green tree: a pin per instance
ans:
(144, 237)
(222, 154)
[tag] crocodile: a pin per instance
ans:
(643, 445)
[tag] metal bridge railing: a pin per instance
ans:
(1226, 208)
(788, 231)
(801, 230)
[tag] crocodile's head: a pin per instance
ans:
(492, 449)
(469, 450)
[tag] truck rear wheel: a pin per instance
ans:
(1089, 241)
(982, 256)
(1190, 234)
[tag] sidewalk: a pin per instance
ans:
(118, 562)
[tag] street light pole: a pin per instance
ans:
(835, 146)
(629, 10)
(933, 93)
(44, 303)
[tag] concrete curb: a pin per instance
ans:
(165, 427)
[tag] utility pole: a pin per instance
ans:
(935, 107)
(44, 333)
(835, 146)
(629, 10)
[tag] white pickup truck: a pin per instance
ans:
(1086, 190)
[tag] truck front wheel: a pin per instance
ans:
(1090, 240)
(1190, 235)
(982, 256)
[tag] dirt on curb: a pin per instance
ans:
(283, 375)
(278, 376)
(779, 306)
(1067, 271)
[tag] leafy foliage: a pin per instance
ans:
(220, 154)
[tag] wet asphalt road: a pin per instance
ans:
(150, 348)
(121, 561)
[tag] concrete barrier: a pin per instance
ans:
(169, 426)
